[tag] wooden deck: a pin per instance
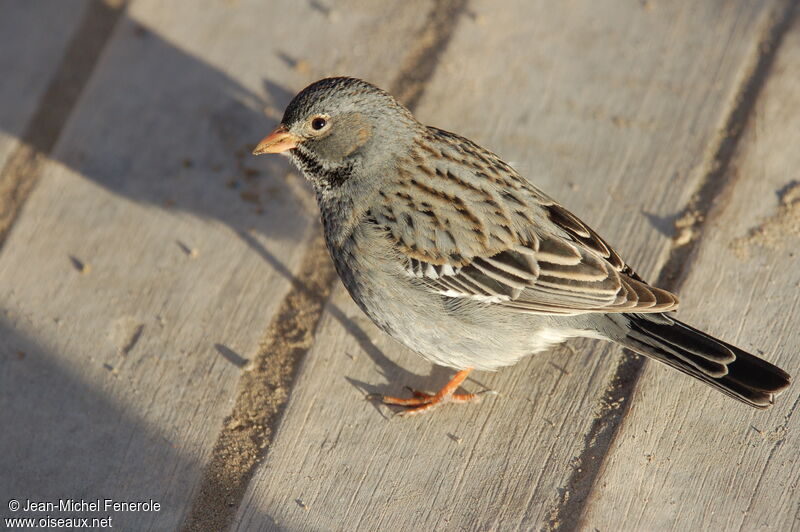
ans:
(171, 327)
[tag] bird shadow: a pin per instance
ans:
(173, 131)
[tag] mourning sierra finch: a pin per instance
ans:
(450, 251)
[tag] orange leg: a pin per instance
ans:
(424, 402)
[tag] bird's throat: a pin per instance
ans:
(324, 174)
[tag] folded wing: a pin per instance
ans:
(468, 226)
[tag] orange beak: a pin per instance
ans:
(279, 141)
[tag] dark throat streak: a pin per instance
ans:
(326, 177)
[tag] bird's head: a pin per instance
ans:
(336, 126)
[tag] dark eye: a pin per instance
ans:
(318, 123)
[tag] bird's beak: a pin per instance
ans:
(279, 141)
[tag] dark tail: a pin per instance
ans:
(725, 367)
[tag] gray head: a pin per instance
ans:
(336, 127)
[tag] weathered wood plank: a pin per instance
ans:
(688, 458)
(608, 107)
(145, 266)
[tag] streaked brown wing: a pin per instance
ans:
(548, 276)
(469, 226)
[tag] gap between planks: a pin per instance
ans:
(706, 203)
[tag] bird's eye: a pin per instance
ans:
(318, 123)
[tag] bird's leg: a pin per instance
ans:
(423, 402)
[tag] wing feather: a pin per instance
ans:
(470, 227)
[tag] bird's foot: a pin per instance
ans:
(422, 402)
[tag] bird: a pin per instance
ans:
(450, 251)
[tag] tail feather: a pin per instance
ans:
(727, 368)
